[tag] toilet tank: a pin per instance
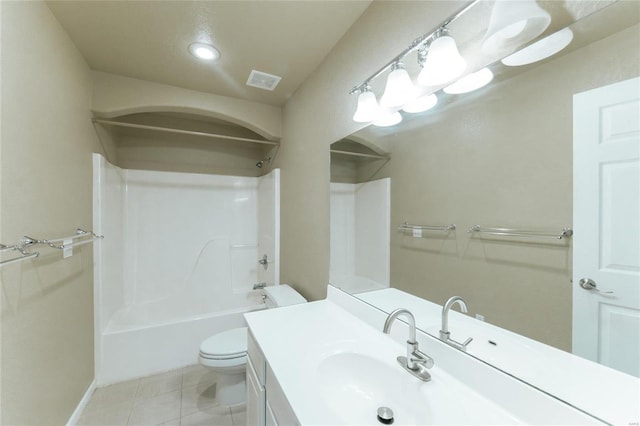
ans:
(282, 295)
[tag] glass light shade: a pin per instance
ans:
(367, 108)
(399, 88)
(204, 51)
(470, 82)
(421, 104)
(514, 23)
(388, 119)
(443, 63)
(541, 49)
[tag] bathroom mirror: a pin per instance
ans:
(502, 157)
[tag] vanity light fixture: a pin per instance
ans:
(470, 82)
(435, 49)
(541, 49)
(421, 104)
(387, 119)
(443, 62)
(204, 51)
(399, 88)
(367, 106)
(514, 23)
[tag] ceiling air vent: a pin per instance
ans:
(262, 80)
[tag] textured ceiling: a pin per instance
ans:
(148, 40)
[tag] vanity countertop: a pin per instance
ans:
(301, 342)
(604, 392)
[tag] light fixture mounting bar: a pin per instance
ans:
(415, 44)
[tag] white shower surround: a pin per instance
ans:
(360, 235)
(177, 264)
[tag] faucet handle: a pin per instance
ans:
(421, 358)
(448, 340)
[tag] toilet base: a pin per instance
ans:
(231, 389)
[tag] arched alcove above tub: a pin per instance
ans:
(185, 142)
(355, 160)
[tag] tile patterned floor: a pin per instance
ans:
(181, 397)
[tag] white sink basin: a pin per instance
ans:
(354, 386)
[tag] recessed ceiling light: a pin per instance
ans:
(204, 51)
(541, 49)
(470, 82)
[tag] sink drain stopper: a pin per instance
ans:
(385, 415)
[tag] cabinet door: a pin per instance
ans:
(255, 398)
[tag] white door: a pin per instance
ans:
(606, 220)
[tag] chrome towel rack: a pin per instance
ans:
(409, 227)
(24, 254)
(81, 237)
(508, 232)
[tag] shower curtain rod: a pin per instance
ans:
(180, 131)
(359, 154)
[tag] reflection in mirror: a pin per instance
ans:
(360, 217)
(502, 157)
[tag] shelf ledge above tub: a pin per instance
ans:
(182, 131)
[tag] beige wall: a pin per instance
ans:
(503, 159)
(167, 151)
(190, 155)
(320, 113)
(47, 140)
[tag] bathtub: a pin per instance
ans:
(134, 346)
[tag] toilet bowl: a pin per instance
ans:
(226, 352)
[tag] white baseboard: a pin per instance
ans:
(73, 420)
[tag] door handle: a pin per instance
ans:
(589, 284)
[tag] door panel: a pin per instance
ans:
(606, 319)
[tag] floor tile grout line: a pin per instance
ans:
(133, 400)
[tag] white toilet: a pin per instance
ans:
(226, 352)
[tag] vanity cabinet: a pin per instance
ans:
(266, 402)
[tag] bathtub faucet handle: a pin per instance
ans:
(264, 262)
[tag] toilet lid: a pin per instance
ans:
(228, 344)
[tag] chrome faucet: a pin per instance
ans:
(445, 335)
(415, 362)
(259, 286)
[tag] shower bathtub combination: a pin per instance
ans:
(177, 264)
